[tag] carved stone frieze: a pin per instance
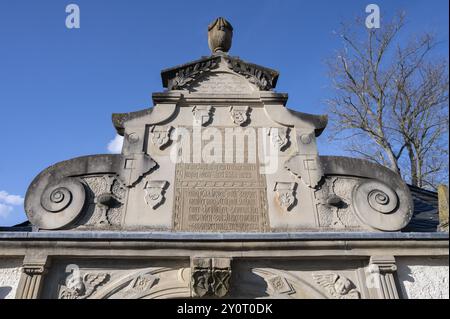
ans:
(81, 286)
(106, 200)
(280, 286)
(334, 207)
(337, 286)
(185, 75)
(263, 78)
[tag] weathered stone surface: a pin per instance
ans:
(424, 278)
(10, 271)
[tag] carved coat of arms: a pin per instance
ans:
(279, 137)
(239, 114)
(211, 277)
(154, 193)
(202, 114)
(285, 194)
(161, 135)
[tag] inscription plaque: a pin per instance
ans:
(220, 198)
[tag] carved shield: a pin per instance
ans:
(239, 114)
(154, 193)
(279, 136)
(201, 281)
(221, 282)
(285, 194)
(202, 114)
(161, 135)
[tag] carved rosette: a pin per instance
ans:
(154, 193)
(285, 195)
(239, 114)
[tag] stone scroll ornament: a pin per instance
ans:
(154, 193)
(239, 114)
(57, 198)
(377, 205)
(161, 135)
(337, 286)
(379, 199)
(202, 114)
(285, 195)
(61, 202)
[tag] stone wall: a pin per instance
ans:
(423, 278)
(10, 270)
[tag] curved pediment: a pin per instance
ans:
(221, 82)
(181, 77)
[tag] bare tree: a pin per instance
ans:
(391, 101)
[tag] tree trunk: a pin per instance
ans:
(393, 160)
(413, 165)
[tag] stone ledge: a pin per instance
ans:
(190, 236)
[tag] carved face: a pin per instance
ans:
(342, 285)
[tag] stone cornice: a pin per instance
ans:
(189, 236)
(179, 77)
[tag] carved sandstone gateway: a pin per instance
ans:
(223, 178)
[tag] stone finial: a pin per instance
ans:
(220, 34)
(443, 207)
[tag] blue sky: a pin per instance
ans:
(58, 87)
